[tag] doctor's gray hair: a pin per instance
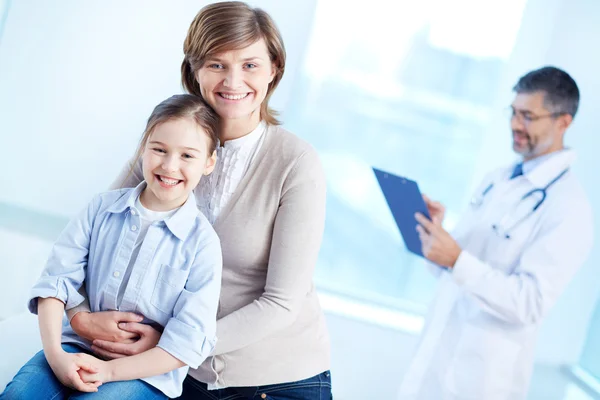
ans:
(561, 91)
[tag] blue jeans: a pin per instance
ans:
(316, 388)
(36, 381)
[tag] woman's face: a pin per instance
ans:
(235, 82)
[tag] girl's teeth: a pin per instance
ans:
(169, 181)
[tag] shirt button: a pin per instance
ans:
(134, 228)
(116, 274)
(133, 212)
(263, 396)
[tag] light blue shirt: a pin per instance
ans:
(530, 165)
(175, 281)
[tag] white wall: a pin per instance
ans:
(82, 79)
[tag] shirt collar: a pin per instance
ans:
(127, 201)
(246, 140)
(542, 170)
(180, 223)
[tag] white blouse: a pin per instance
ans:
(233, 161)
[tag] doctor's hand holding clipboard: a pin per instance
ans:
(436, 243)
(410, 208)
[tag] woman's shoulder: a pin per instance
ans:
(288, 146)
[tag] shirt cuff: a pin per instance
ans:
(57, 288)
(83, 307)
(186, 343)
(468, 269)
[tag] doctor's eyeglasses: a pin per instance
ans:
(527, 117)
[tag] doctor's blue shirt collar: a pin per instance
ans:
(180, 223)
(542, 170)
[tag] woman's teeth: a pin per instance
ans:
(233, 96)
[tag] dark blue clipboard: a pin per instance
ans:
(404, 200)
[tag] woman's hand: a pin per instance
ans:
(148, 339)
(104, 325)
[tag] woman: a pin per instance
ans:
(266, 200)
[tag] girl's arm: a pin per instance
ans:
(64, 272)
(189, 336)
(155, 361)
(66, 366)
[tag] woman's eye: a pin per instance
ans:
(188, 156)
(215, 66)
(251, 65)
(158, 150)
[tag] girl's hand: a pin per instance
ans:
(67, 368)
(104, 373)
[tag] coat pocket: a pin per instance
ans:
(483, 365)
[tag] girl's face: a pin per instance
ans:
(235, 82)
(174, 159)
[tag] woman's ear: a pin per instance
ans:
(273, 72)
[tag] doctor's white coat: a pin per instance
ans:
(479, 337)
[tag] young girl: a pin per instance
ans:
(146, 250)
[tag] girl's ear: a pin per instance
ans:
(210, 163)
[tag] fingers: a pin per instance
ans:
(125, 336)
(88, 378)
(87, 367)
(105, 354)
(116, 350)
(135, 328)
(422, 234)
(78, 384)
(129, 317)
(426, 223)
(119, 348)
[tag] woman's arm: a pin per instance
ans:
(295, 245)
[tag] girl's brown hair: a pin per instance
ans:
(181, 106)
(231, 25)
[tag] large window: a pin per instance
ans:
(590, 361)
(3, 13)
(408, 87)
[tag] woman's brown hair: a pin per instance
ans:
(231, 25)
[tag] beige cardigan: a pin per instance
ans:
(270, 328)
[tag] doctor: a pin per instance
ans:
(526, 233)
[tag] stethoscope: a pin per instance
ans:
(477, 202)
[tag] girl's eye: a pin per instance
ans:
(251, 65)
(188, 156)
(159, 150)
(215, 66)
